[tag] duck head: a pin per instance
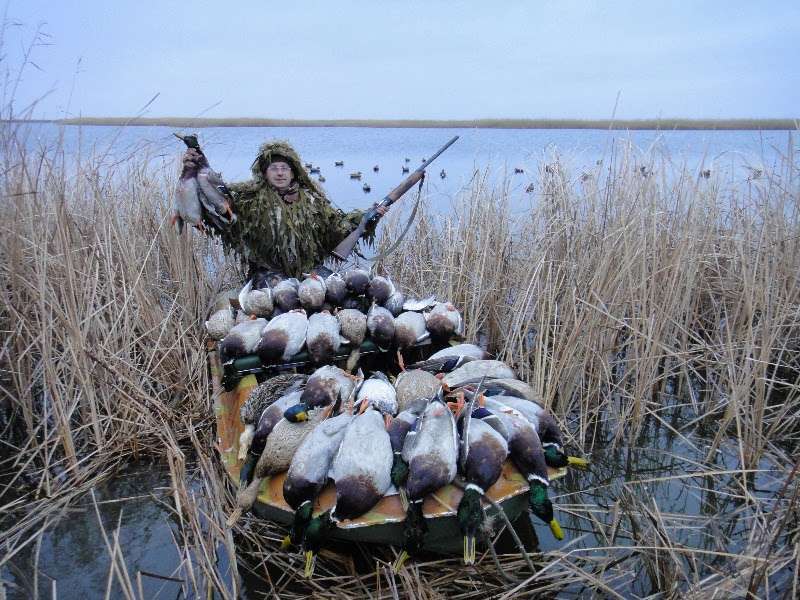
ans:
(317, 532)
(190, 140)
(296, 414)
(414, 531)
(541, 506)
(302, 518)
(555, 457)
(470, 519)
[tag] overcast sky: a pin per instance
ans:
(429, 59)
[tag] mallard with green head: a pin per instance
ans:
(431, 455)
(483, 452)
(327, 386)
(527, 454)
(309, 472)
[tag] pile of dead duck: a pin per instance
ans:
(456, 418)
(322, 315)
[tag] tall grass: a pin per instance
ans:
(624, 296)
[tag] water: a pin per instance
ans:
(231, 150)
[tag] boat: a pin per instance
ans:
(232, 383)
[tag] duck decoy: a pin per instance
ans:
(355, 175)
(321, 179)
(529, 189)
(407, 159)
(366, 188)
(201, 194)
(376, 168)
(405, 169)
(314, 170)
(442, 174)
(518, 170)
(339, 163)
(308, 165)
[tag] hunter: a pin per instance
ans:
(286, 225)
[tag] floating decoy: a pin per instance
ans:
(529, 189)
(355, 175)
(201, 193)
(405, 169)
(705, 173)
(376, 168)
(339, 163)
(442, 174)
(314, 170)
(366, 187)
(407, 159)
(308, 165)
(518, 170)
(321, 179)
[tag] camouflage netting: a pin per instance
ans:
(276, 235)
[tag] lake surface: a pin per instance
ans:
(730, 154)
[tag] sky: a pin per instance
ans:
(404, 60)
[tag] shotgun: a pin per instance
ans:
(345, 247)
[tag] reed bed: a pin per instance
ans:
(656, 313)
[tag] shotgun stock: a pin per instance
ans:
(345, 247)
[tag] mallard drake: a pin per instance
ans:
(380, 324)
(483, 452)
(527, 454)
(242, 339)
(323, 338)
(362, 466)
(309, 472)
(283, 337)
(394, 303)
(470, 350)
(353, 325)
(327, 386)
(335, 289)
(414, 387)
(379, 289)
(258, 400)
(549, 432)
(220, 323)
(409, 330)
(445, 364)
(399, 429)
(282, 442)
(431, 456)
(284, 294)
(477, 369)
(357, 281)
(311, 292)
(378, 393)
(254, 301)
(443, 321)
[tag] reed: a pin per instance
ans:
(635, 303)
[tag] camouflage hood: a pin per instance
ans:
(282, 148)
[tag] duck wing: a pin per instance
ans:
(187, 202)
(215, 204)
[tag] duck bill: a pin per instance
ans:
(469, 550)
(556, 529)
(400, 561)
(311, 561)
(578, 463)
(286, 542)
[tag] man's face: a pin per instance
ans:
(279, 175)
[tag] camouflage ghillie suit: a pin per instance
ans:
(272, 234)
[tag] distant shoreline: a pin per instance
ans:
(623, 124)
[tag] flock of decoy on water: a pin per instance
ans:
(452, 418)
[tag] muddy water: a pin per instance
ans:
(663, 472)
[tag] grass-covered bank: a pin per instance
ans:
(656, 313)
(665, 124)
